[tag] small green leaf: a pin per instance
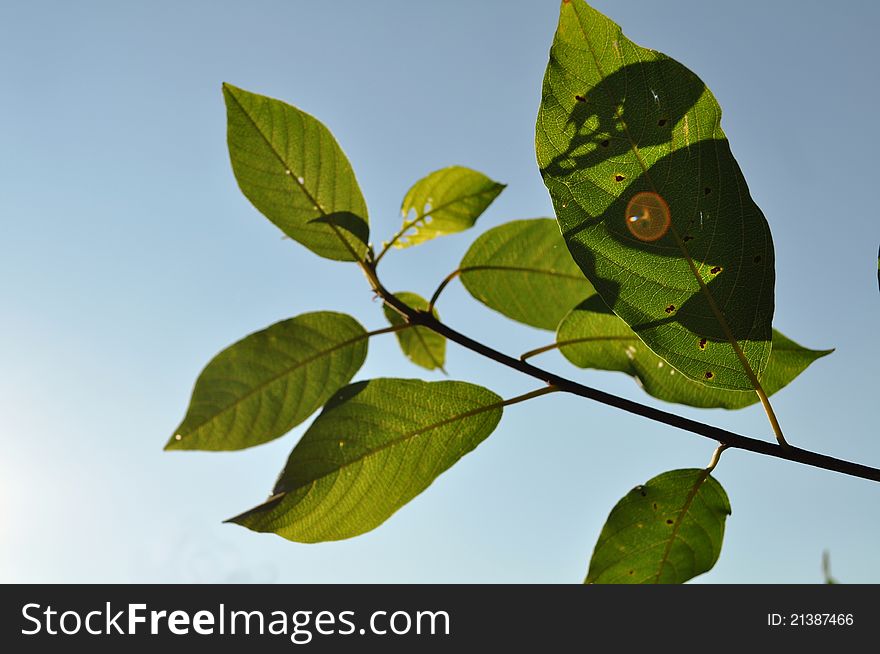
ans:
(591, 336)
(267, 383)
(523, 270)
(617, 122)
(665, 532)
(375, 446)
(448, 200)
(424, 347)
(293, 171)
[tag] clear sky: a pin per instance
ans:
(128, 258)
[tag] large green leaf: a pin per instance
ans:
(665, 532)
(293, 171)
(523, 270)
(423, 346)
(267, 383)
(617, 120)
(448, 200)
(591, 336)
(375, 446)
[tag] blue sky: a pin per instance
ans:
(129, 258)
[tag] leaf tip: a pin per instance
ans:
(174, 443)
(243, 518)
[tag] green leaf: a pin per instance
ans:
(523, 270)
(375, 446)
(591, 336)
(424, 347)
(293, 171)
(448, 200)
(617, 120)
(267, 383)
(665, 532)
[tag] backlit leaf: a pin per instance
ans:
(621, 124)
(664, 532)
(523, 270)
(423, 346)
(267, 383)
(448, 200)
(591, 336)
(375, 446)
(293, 171)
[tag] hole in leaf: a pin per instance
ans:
(580, 98)
(670, 308)
(703, 342)
(619, 178)
(647, 216)
(632, 572)
(716, 270)
(709, 374)
(662, 122)
(655, 506)
(669, 521)
(605, 143)
(687, 238)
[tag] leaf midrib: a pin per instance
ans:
(294, 174)
(719, 316)
(523, 269)
(678, 522)
(271, 380)
(393, 442)
(427, 349)
(421, 217)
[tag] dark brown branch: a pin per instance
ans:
(723, 436)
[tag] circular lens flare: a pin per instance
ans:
(647, 216)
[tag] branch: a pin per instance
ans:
(723, 436)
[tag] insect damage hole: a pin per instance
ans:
(618, 177)
(580, 98)
(670, 308)
(647, 216)
(709, 374)
(605, 143)
(703, 342)
(662, 122)
(716, 269)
